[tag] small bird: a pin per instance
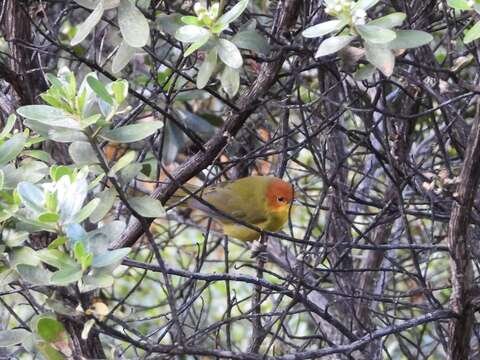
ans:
(262, 201)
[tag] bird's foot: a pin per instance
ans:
(259, 251)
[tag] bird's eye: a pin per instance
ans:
(281, 199)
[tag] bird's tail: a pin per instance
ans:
(182, 194)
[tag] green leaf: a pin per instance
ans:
(232, 14)
(133, 24)
(99, 89)
(191, 20)
(459, 4)
(364, 4)
(229, 54)
(49, 352)
(55, 258)
(472, 34)
(407, 39)
(59, 241)
(381, 57)
(207, 68)
(131, 133)
(50, 329)
(230, 80)
(389, 21)
(251, 40)
(333, 44)
(147, 206)
(34, 274)
(13, 337)
(322, 29)
(82, 153)
(195, 46)
(92, 282)
(23, 255)
(48, 117)
(49, 217)
(2, 179)
(107, 199)
(31, 196)
(120, 90)
(8, 126)
(11, 148)
(6, 277)
(376, 34)
(86, 211)
(126, 159)
(66, 276)
(122, 57)
(91, 4)
(192, 33)
(110, 257)
(87, 26)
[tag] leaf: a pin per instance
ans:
(126, 159)
(42, 113)
(91, 4)
(192, 33)
(229, 54)
(34, 274)
(99, 89)
(131, 133)
(207, 68)
(389, 21)
(407, 39)
(50, 329)
(133, 24)
(13, 337)
(251, 40)
(23, 255)
(381, 57)
(55, 258)
(147, 206)
(120, 90)
(232, 14)
(459, 4)
(333, 44)
(195, 46)
(49, 217)
(122, 57)
(107, 199)
(86, 211)
(82, 153)
(230, 80)
(11, 148)
(86, 328)
(110, 257)
(322, 29)
(376, 34)
(92, 282)
(6, 277)
(364, 5)
(8, 126)
(472, 34)
(87, 26)
(31, 196)
(49, 352)
(66, 276)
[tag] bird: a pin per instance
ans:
(261, 201)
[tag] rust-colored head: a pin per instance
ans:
(280, 195)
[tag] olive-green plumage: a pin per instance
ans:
(262, 201)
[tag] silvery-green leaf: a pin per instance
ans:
(13, 337)
(110, 257)
(333, 44)
(147, 206)
(133, 24)
(70, 197)
(191, 33)
(230, 80)
(23, 255)
(322, 29)
(91, 4)
(131, 133)
(11, 148)
(472, 34)
(31, 196)
(233, 13)
(389, 21)
(8, 126)
(251, 40)
(375, 34)
(8, 276)
(92, 282)
(82, 153)
(459, 4)
(122, 57)
(86, 211)
(207, 68)
(107, 199)
(87, 26)
(34, 275)
(381, 57)
(56, 258)
(48, 115)
(122, 162)
(229, 54)
(66, 276)
(64, 135)
(364, 4)
(407, 39)
(99, 240)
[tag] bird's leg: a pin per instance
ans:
(259, 249)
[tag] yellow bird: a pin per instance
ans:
(262, 201)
